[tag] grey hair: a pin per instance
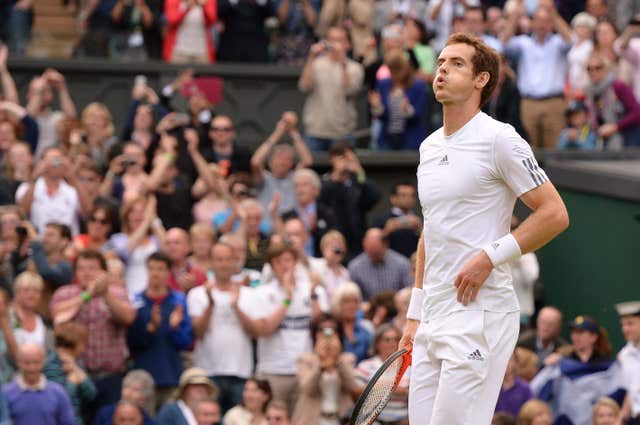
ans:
(308, 173)
(585, 20)
(342, 291)
(145, 380)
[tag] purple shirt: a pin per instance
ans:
(511, 400)
(48, 406)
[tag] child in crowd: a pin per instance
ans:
(578, 134)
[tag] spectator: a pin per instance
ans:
(334, 248)
(542, 53)
(40, 98)
(401, 303)
(277, 316)
(605, 412)
(16, 120)
(127, 413)
(19, 25)
(527, 363)
(224, 149)
(331, 81)
(356, 332)
(279, 177)
(578, 134)
(11, 219)
(144, 112)
(440, 17)
(615, 112)
(136, 243)
(48, 257)
(414, 33)
(389, 12)
(514, 392)
(8, 345)
(49, 198)
(101, 222)
(359, 14)
(629, 313)
(104, 308)
(18, 169)
(495, 20)
(31, 398)
(252, 215)
(325, 377)
(194, 387)
(378, 268)
(605, 37)
(161, 329)
(627, 46)
(244, 38)
(399, 103)
(474, 21)
(251, 409)
(98, 125)
(202, 237)
(5, 415)
(534, 412)
(297, 21)
(502, 418)
(230, 219)
(138, 389)
(545, 339)
(243, 275)
(583, 26)
(348, 192)
(381, 308)
(138, 28)
(277, 413)
(207, 412)
(570, 383)
(188, 37)
(385, 343)
(223, 347)
(184, 275)
(318, 219)
(401, 226)
(62, 366)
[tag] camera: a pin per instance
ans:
(56, 162)
(128, 163)
(21, 231)
(328, 332)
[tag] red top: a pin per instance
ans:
(175, 11)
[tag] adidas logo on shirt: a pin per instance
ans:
(476, 355)
(444, 160)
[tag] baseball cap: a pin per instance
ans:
(629, 308)
(585, 323)
(575, 106)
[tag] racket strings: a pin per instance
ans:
(379, 395)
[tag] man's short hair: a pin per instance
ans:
(91, 254)
(485, 59)
(63, 229)
(340, 149)
(394, 189)
(159, 257)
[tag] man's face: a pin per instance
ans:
(404, 198)
(474, 21)
(548, 324)
(87, 270)
(306, 192)
(52, 240)
(374, 247)
(55, 165)
(222, 135)
(197, 102)
(631, 328)
(294, 230)
(89, 180)
(339, 42)
(127, 415)
(495, 20)
(277, 416)
(30, 363)
(542, 23)
(177, 245)
(281, 163)
(135, 153)
(596, 8)
(454, 81)
(158, 274)
(208, 413)
(223, 261)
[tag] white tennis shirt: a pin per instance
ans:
(468, 184)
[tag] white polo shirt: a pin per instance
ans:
(61, 206)
(468, 184)
(629, 358)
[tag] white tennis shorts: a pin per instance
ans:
(458, 366)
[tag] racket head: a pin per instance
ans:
(380, 387)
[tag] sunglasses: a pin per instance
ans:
(338, 251)
(222, 129)
(241, 193)
(102, 221)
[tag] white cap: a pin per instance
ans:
(629, 308)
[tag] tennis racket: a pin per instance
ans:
(378, 391)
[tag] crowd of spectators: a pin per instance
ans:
(165, 273)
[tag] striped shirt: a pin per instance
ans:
(392, 274)
(396, 409)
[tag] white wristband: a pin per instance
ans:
(415, 305)
(503, 250)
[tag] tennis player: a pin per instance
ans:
(463, 317)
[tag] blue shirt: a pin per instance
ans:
(47, 406)
(220, 217)
(542, 68)
(360, 346)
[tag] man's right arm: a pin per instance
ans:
(411, 326)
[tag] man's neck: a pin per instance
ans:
(457, 116)
(157, 291)
(223, 285)
(54, 257)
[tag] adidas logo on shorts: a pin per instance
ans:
(476, 355)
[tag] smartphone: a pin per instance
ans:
(140, 80)
(327, 45)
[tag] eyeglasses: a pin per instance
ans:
(241, 193)
(102, 221)
(222, 129)
(594, 68)
(338, 251)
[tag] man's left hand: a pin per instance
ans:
(472, 277)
